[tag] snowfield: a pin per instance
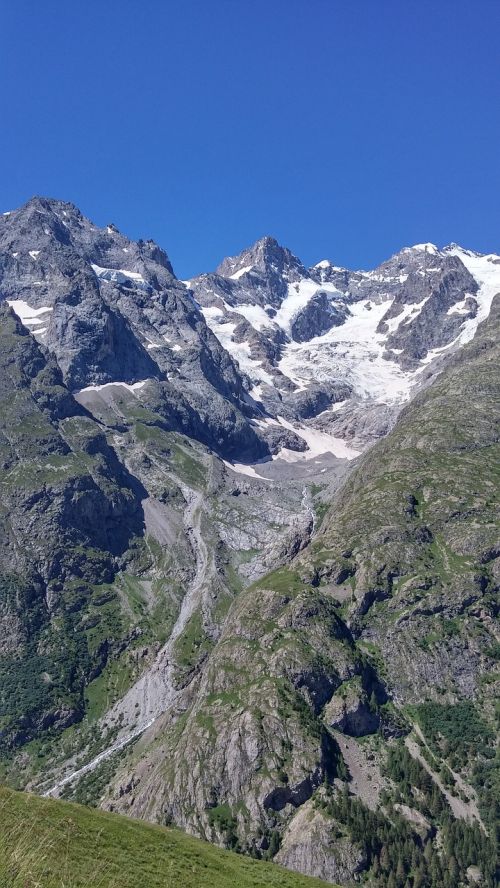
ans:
(353, 352)
(35, 319)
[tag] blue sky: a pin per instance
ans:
(345, 128)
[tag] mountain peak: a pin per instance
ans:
(266, 257)
(427, 248)
(42, 222)
(49, 204)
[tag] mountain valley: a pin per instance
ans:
(250, 547)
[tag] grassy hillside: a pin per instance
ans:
(48, 844)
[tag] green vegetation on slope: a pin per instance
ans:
(401, 853)
(410, 545)
(51, 844)
(459, 737)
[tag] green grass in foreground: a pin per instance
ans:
(53, 844)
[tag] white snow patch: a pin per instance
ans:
(255, 315)
(151, 343)
(435, 353)
(241, 272)
(34, 254)
(239, 351)
(118, 275)
(325, 263)
(256, 392)
(135, 386)
(317, 442)
(459, 307)
(242, 469)
(264, 423)
(35, 319)
(333, 409)
(26, 313)
(174, 348)
(425, 248)
(409, 313)
(486, 271)
(299, 294)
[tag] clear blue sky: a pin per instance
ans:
(345, 128)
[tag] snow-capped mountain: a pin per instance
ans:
(262, 358)
(249, 630)
(335, 346)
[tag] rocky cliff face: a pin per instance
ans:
(111, 310)
(213, 609)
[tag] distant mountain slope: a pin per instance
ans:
(327, 347)
(68, 509)
(56, 844)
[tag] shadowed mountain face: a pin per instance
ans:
(213, 609)
(68, 509)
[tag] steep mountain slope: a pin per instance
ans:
(420, 518)
(56, 844)
(123, 540)
(123, 544)
(386, 621)
(68, 509)
(162, 449)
